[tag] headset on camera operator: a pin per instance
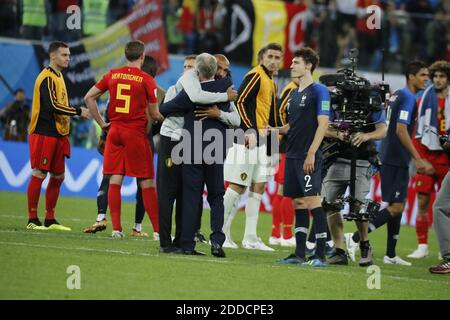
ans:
(357, 120)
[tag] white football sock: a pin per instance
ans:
(100, 217)
(138, 227)
(231, 206)
(251, 216)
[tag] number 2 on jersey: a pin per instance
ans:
(308, 180)
(124, 97)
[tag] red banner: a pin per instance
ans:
(146, 24)
(295, 30)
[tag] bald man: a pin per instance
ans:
(223, 66)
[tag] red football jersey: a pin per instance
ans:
(130, 90)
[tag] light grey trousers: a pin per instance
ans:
(441, 218)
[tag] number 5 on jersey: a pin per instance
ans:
(124, 97)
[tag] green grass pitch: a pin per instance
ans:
(34, 264)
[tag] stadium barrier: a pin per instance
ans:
(84, 174)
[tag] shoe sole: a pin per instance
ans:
(265, 250)
(338, 263)
(58, 228)
(366, 264)
(397, 264)
(445, 272)
(98, 229)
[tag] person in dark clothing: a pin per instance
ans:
(199, 169)
(15, 117)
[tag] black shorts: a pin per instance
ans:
(297, 184)
(394, 183)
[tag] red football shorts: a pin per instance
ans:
(425, 183)
(127, 152)
(48, 153)
(279, 175)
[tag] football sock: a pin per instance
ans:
(311, 235)
(33, 192)
(251, 215)
(301, 230)
(149, 198)
(114, 201)
(381, 218)
(101, 216)
(51, 197)
(288, 217)
(393, 230)
(139, 211)
(364, 244)
(276, 215)
(422, 228)
(328, 233)
(138, 227)
(320, 230)
(231, 206)
(102, 196)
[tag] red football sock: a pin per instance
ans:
(114, 202)
(149, 198)
(33, 192)
(422, 228)
(276, 216)
(51, 197)
(288, 217)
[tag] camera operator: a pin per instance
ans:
(396, 152)
(441, 216)
(338, 179)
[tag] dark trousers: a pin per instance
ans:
(195, 176)
(169, 184)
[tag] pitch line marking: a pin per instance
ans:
(129, 253)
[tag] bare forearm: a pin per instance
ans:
(318, 137)
(93, 108)
(379, 133)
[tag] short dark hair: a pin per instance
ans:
(54, 46)
(134, 49)
(150, 65)
(440, 66)
(309, 56)
(274, 46)
(261, 53)
(414, 67)
(19, 90)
